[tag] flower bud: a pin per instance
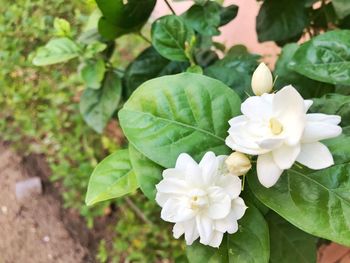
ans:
(238, 163)
(262, 80)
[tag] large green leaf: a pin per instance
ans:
(170, 36)
(333, 104)
(148, 173)
(170, 115)
(148, 65)
(317, 202)
(57, 50)
(120, 17)
(289, 244)
(205, 19)
(342, 7)
(227, 14)
(235, 70)
(279, 20)
(325, 58)
(113, 177)
(308, 88)
(249, 245)
(98, 106)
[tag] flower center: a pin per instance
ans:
(275, 126)
(198, 199)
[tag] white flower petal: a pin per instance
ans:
(238, 208)
(315, 156)
(178, 230)
(285, 156)
(161, 198)
(257, 107)
(320, 127)
(173, 173)
(320, 117)
(267, 169)
(185, 162)
(172, 186)
(271, 143)
(220, 203)
(308, 104)
(191, 232)
(174, 210)
(205, 229)
(289, 108)
(228, 224)
(216, 239)
(209, 166)
(231, 184)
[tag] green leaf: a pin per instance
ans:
(227, 14)
(249, 245)
(342, 7)
(170, 35)
(279, 20)
(235, 70)
(148, 173)
(62, 27)
(98, 106)
(93, 73)
(112, 178)
(57, 50)
(170, 115)
(333, 104)
(325, 58)
(119, 18)
(289, 244)
(148, 65)
(308, 88)
(205, 19)
(317, 202)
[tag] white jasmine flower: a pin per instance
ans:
(201, 199)
(262, 81)
(277, 129)
(238, 163)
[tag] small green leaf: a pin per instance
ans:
(325, 58)
(120, 17)
(57, 50)
(227, 14)
(98, 106)
(342, 8)
(148, 173)
(171, 37)
(112, 178)
(279, 20)
(249, 245)
(333, 104)
(93, 73)
(170, 115)
(205, 19)
(308, 88)
(62, 27)
(94, 48)
(289, 244)
(148, 65)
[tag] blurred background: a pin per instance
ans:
(47, 152)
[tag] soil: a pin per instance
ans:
(39, 230)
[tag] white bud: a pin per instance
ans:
(262, 80)
(238, 163)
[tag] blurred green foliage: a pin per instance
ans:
(40, 114)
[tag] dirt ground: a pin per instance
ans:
(32, 231)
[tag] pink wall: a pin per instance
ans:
(240, 31)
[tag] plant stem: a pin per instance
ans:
(144, 38)
(137, 211)
(171, 9)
